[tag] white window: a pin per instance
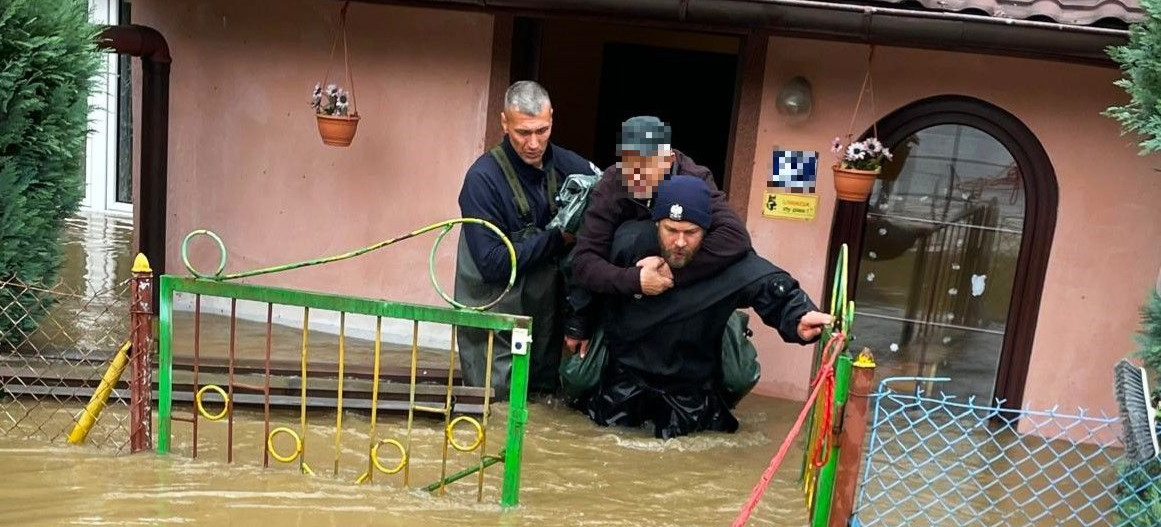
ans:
(108, 170)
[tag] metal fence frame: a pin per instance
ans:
(519, 325)
(938, 461)
(62, 363)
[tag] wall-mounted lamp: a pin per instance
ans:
(794, 100)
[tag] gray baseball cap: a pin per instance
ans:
(644, 134)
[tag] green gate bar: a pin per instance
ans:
(519, 325)
(825, 490)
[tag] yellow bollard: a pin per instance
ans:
(100, 397)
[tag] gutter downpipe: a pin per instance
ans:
(149, 213)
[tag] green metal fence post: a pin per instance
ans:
(825, 490)
(517, 417)
(165, 365)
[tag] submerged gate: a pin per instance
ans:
(315, 389)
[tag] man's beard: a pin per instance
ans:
(672, 259)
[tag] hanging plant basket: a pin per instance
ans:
(335, 110)
(854, 185)
(337, 130)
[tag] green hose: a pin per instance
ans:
(446, 225)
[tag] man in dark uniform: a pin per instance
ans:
(664, 351)
(513, 186)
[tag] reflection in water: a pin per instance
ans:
(91, 313)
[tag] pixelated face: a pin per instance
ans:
(641, 173)
(680, 240)
(528, 133)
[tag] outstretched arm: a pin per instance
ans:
(784, 306)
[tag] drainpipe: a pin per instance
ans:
(149, 211)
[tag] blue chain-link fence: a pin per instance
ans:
(939, 461)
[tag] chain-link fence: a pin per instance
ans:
(56, 343)
(937, 461)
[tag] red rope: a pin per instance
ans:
(824, 377)
(823, 441)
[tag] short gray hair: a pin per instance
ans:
(527, 97)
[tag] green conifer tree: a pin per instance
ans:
(48, 64)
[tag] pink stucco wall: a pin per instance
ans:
(246, 160)
(1105, 254)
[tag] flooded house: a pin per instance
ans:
(1007, 247)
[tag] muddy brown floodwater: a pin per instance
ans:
(575, 474)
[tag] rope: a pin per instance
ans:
(445, 225)
(833, 346)
(346, 58)
(823, 441)
(867, 83)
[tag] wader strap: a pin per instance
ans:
(517, 190)
(550, 173)
(518, 195)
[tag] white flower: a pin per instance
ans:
(856, 152)
(874, 145)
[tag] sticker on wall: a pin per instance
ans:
(790, 206)
(794, 171)
(790, 191)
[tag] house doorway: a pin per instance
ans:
(600, 75)
(953, 246)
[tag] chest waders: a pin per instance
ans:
(537, 293)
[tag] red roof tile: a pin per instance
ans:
(1108, 13)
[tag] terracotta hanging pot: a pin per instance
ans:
(337, 130)
(854, 185)
(335, 125)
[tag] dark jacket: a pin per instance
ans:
(611, 205)
(486, 195)
(676, 338)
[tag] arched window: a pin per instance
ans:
(953, 244)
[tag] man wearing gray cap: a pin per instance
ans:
(625, 193)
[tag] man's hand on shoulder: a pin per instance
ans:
(811, 324)
(656, 276)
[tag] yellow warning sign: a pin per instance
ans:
(790, 206)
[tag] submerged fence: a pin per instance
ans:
(938, 461)
(56, 343)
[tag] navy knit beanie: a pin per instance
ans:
(683, 198)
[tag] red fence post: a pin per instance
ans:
(854, 432)
(141, 335)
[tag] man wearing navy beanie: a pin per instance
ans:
(664, 352)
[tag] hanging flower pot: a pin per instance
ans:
(337, 130)
(334, 107)
(852, 184)
(859, 163)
